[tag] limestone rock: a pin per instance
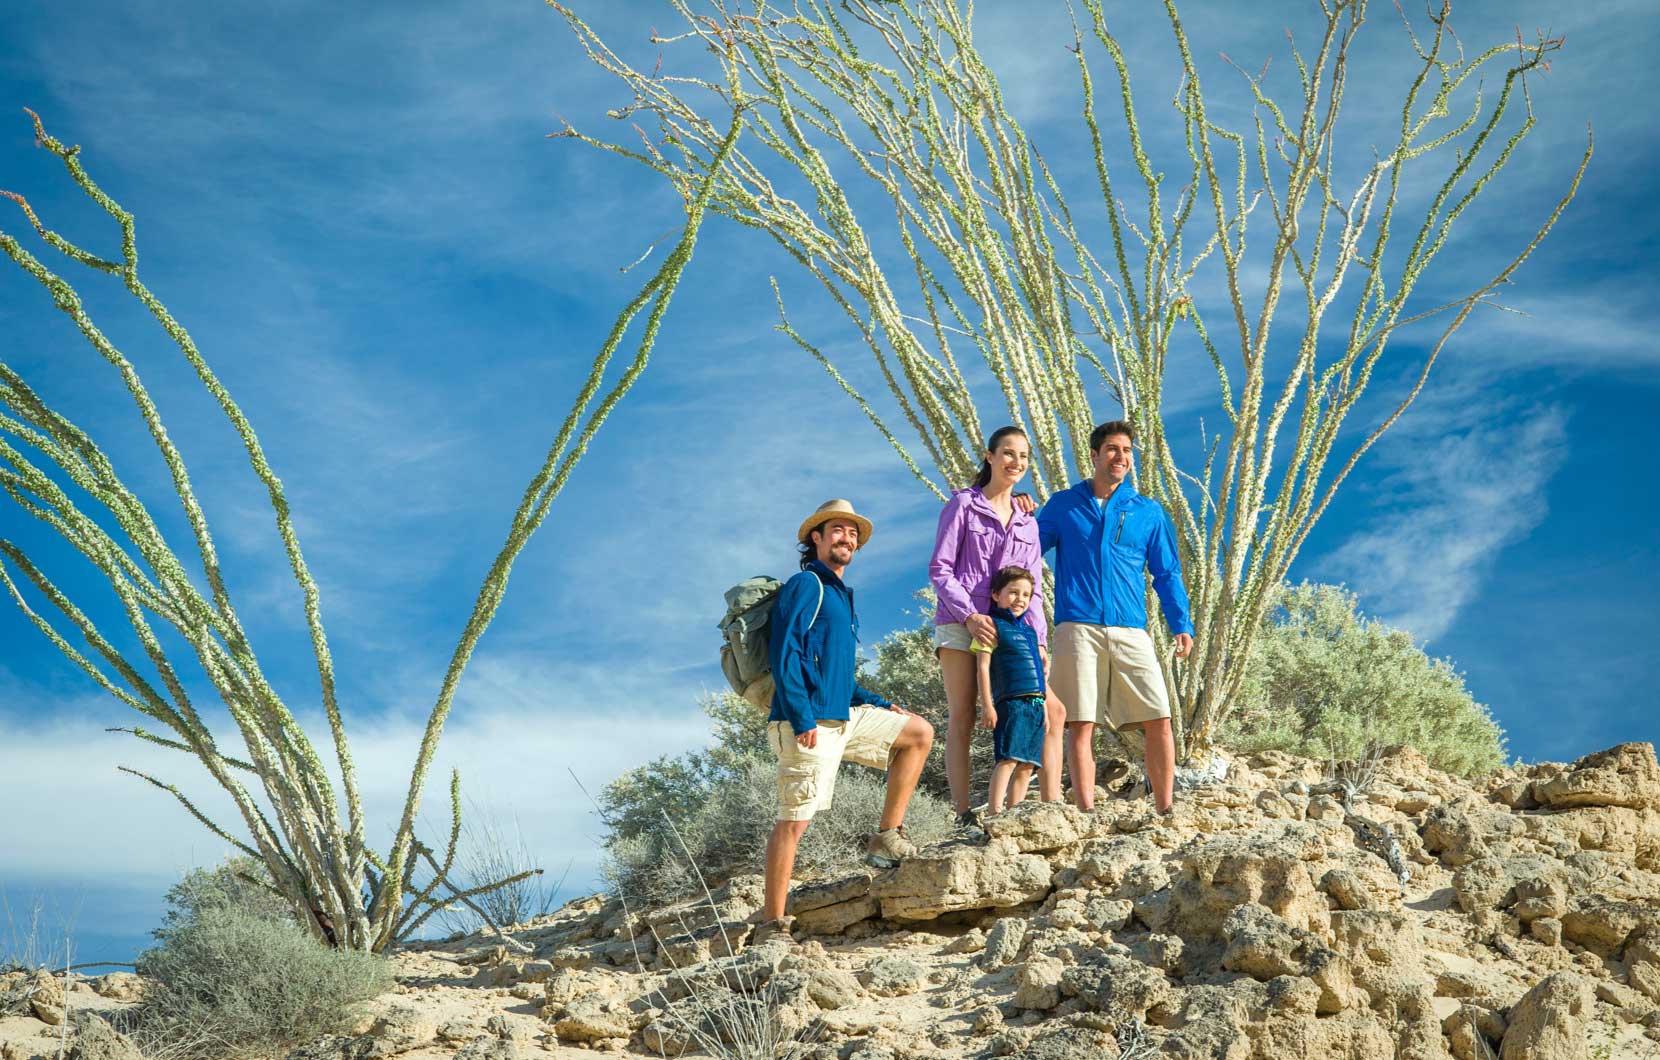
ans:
(400, 1028)
(1039, 985)
(1603, 926)
(953, 878)
(1489, 882)
(119, 986)
(589, 1019)
(811, 896)
(95, 1039)
(46, 997)
(488, 1048)
(1264, 946)
(835, 919)
(1625, 775)
(1469, 828)
(1548, 1023)
(1267, 865)
(1035, 827)
(1003, 943)
(892, 976)
(1642, 962)
(1118, 985)
(832, 988)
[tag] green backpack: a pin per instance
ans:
(746, 625)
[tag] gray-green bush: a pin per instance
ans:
(1328, 682)
(721, 804)
(231, 960)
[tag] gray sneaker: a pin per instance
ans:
(885, 849)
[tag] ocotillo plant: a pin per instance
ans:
(934, 223)
(313, 848)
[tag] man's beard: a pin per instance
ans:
(842, 554)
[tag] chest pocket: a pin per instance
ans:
(982, 542)
(1132, 529)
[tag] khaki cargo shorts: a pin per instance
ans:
(1111, 665)
(807, 775)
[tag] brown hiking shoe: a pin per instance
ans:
(884, 849)
(766, 930)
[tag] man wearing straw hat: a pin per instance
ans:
(820, 716)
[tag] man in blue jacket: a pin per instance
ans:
(1105, 535)
(820, 716)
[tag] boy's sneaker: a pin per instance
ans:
(968, 824)
(884, 849)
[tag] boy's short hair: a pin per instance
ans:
(1100, 434)
(1002, 578)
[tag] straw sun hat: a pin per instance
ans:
(835, 508)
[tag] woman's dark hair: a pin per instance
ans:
(981, 479)
(1002, 578)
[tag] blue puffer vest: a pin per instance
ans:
(1016, 666)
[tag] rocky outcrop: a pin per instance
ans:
(1260, 922)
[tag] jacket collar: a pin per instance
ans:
(1004, 613)
(978, 502)
(1086, 490)
(826, 575)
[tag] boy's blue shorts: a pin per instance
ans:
(1019, 731)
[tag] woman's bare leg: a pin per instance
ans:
(1054, 739)
(957, 671)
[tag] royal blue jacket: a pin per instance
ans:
(813, 661)
(1101, 552)
(1016, 666)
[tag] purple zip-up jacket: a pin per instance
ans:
(972, 545)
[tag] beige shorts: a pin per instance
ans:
(954, 635)
(807, 775)
(1114, 664)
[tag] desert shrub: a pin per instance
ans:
(237, 883)
(485, 853)
(724, 822)
(230, 957)
(1328, 682)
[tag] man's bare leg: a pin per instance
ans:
(905, 762)
(1160, 756)
(781, 845)
(957, 673)
(1054, 742)
(1080, 761)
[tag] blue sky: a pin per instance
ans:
(362, 221)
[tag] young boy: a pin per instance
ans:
(1011, 690)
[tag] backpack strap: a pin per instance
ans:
(820, 605)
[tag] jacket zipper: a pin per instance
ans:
(1120, 532)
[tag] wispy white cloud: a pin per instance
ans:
(517, 737)
(1463, 477)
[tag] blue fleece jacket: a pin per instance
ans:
(1101, 551)
(813, 660)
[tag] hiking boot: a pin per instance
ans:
(884, 849)
(767, 930)
(969, 826)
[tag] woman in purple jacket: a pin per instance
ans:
(981, 531)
